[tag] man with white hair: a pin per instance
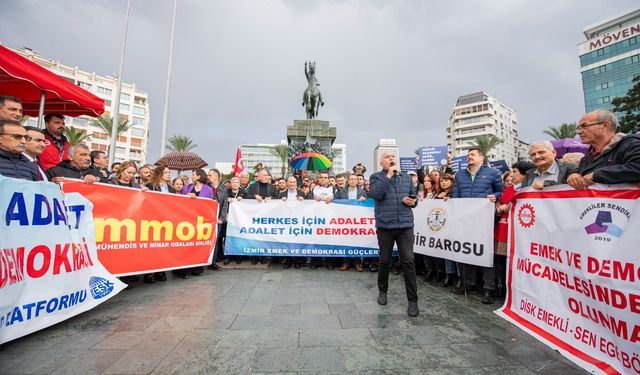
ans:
(394, 197)
(76, 166)
(548, 171)
(612, 158)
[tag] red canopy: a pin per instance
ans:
(26, 80)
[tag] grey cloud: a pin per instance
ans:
(387, 68)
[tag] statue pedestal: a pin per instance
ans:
(310, 136)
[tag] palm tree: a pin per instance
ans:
(563, 131)
(180, 143)
(76, 136)
(282, 151)
(105, 122)
(486, 143)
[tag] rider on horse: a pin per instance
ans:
(312, 98)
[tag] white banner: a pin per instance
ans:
(459, 229)
(49, 268)
(574, 274)
(346, 228)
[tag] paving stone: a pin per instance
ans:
(92, 362)
(385, 358)
(261, 320)
(343, 308)
(367, 321)
(145, 356)
(285, 322)
(289, 309)
(468, 355)
(63, 352)
(196, 359)
(261, 338)
(314, 307)
(299, 359)
(336, 337)
(408, 336)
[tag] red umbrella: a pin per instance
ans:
(181, 161)
(32, 83)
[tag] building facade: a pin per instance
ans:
(609, 59)
(384, 145)
(252, 154)
(481, 114)
(134, 107)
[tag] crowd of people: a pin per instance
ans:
(45, 154)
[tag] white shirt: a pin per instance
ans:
(323, 192)
(292, 194)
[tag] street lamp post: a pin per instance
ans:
(115, 108)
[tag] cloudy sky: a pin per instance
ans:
(388, 69)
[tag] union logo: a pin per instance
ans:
(100, 287)
(436, 218)
(526, 216)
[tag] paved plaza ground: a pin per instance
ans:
(269, 320)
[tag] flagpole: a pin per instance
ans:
(115, 109)
(165, 113)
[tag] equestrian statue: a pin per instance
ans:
(312, 98)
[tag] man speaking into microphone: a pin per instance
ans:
(395, 196)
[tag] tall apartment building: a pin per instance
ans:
(384, 145)
(610, 59)
(134, 107)
(481, 114)
(261, 153)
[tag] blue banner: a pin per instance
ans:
(500, 165)
(433, 156)
(408, 164)
(458, 163)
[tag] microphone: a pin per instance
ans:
(391, 164)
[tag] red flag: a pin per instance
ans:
(239, 165)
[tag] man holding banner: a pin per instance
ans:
(478, 181)
(395, 197)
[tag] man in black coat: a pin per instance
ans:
(612, 158)
(262, 189)
(548, 170)
(77, 166)
(13, 140)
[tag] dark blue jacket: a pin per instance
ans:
(390, 212)
(344, 193)
(18, 166)
(487, 181)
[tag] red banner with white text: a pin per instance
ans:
(574, 274)
(145, 231)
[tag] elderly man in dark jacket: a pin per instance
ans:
(77, 166)
(478, 181)
(612, 158)
(13, 138)
(395, 196)
(548, 170)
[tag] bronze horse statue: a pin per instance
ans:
(312, 98)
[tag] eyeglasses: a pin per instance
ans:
(18, 136)
(584, 126)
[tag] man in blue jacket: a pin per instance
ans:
(394, 197)
(478, 181)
